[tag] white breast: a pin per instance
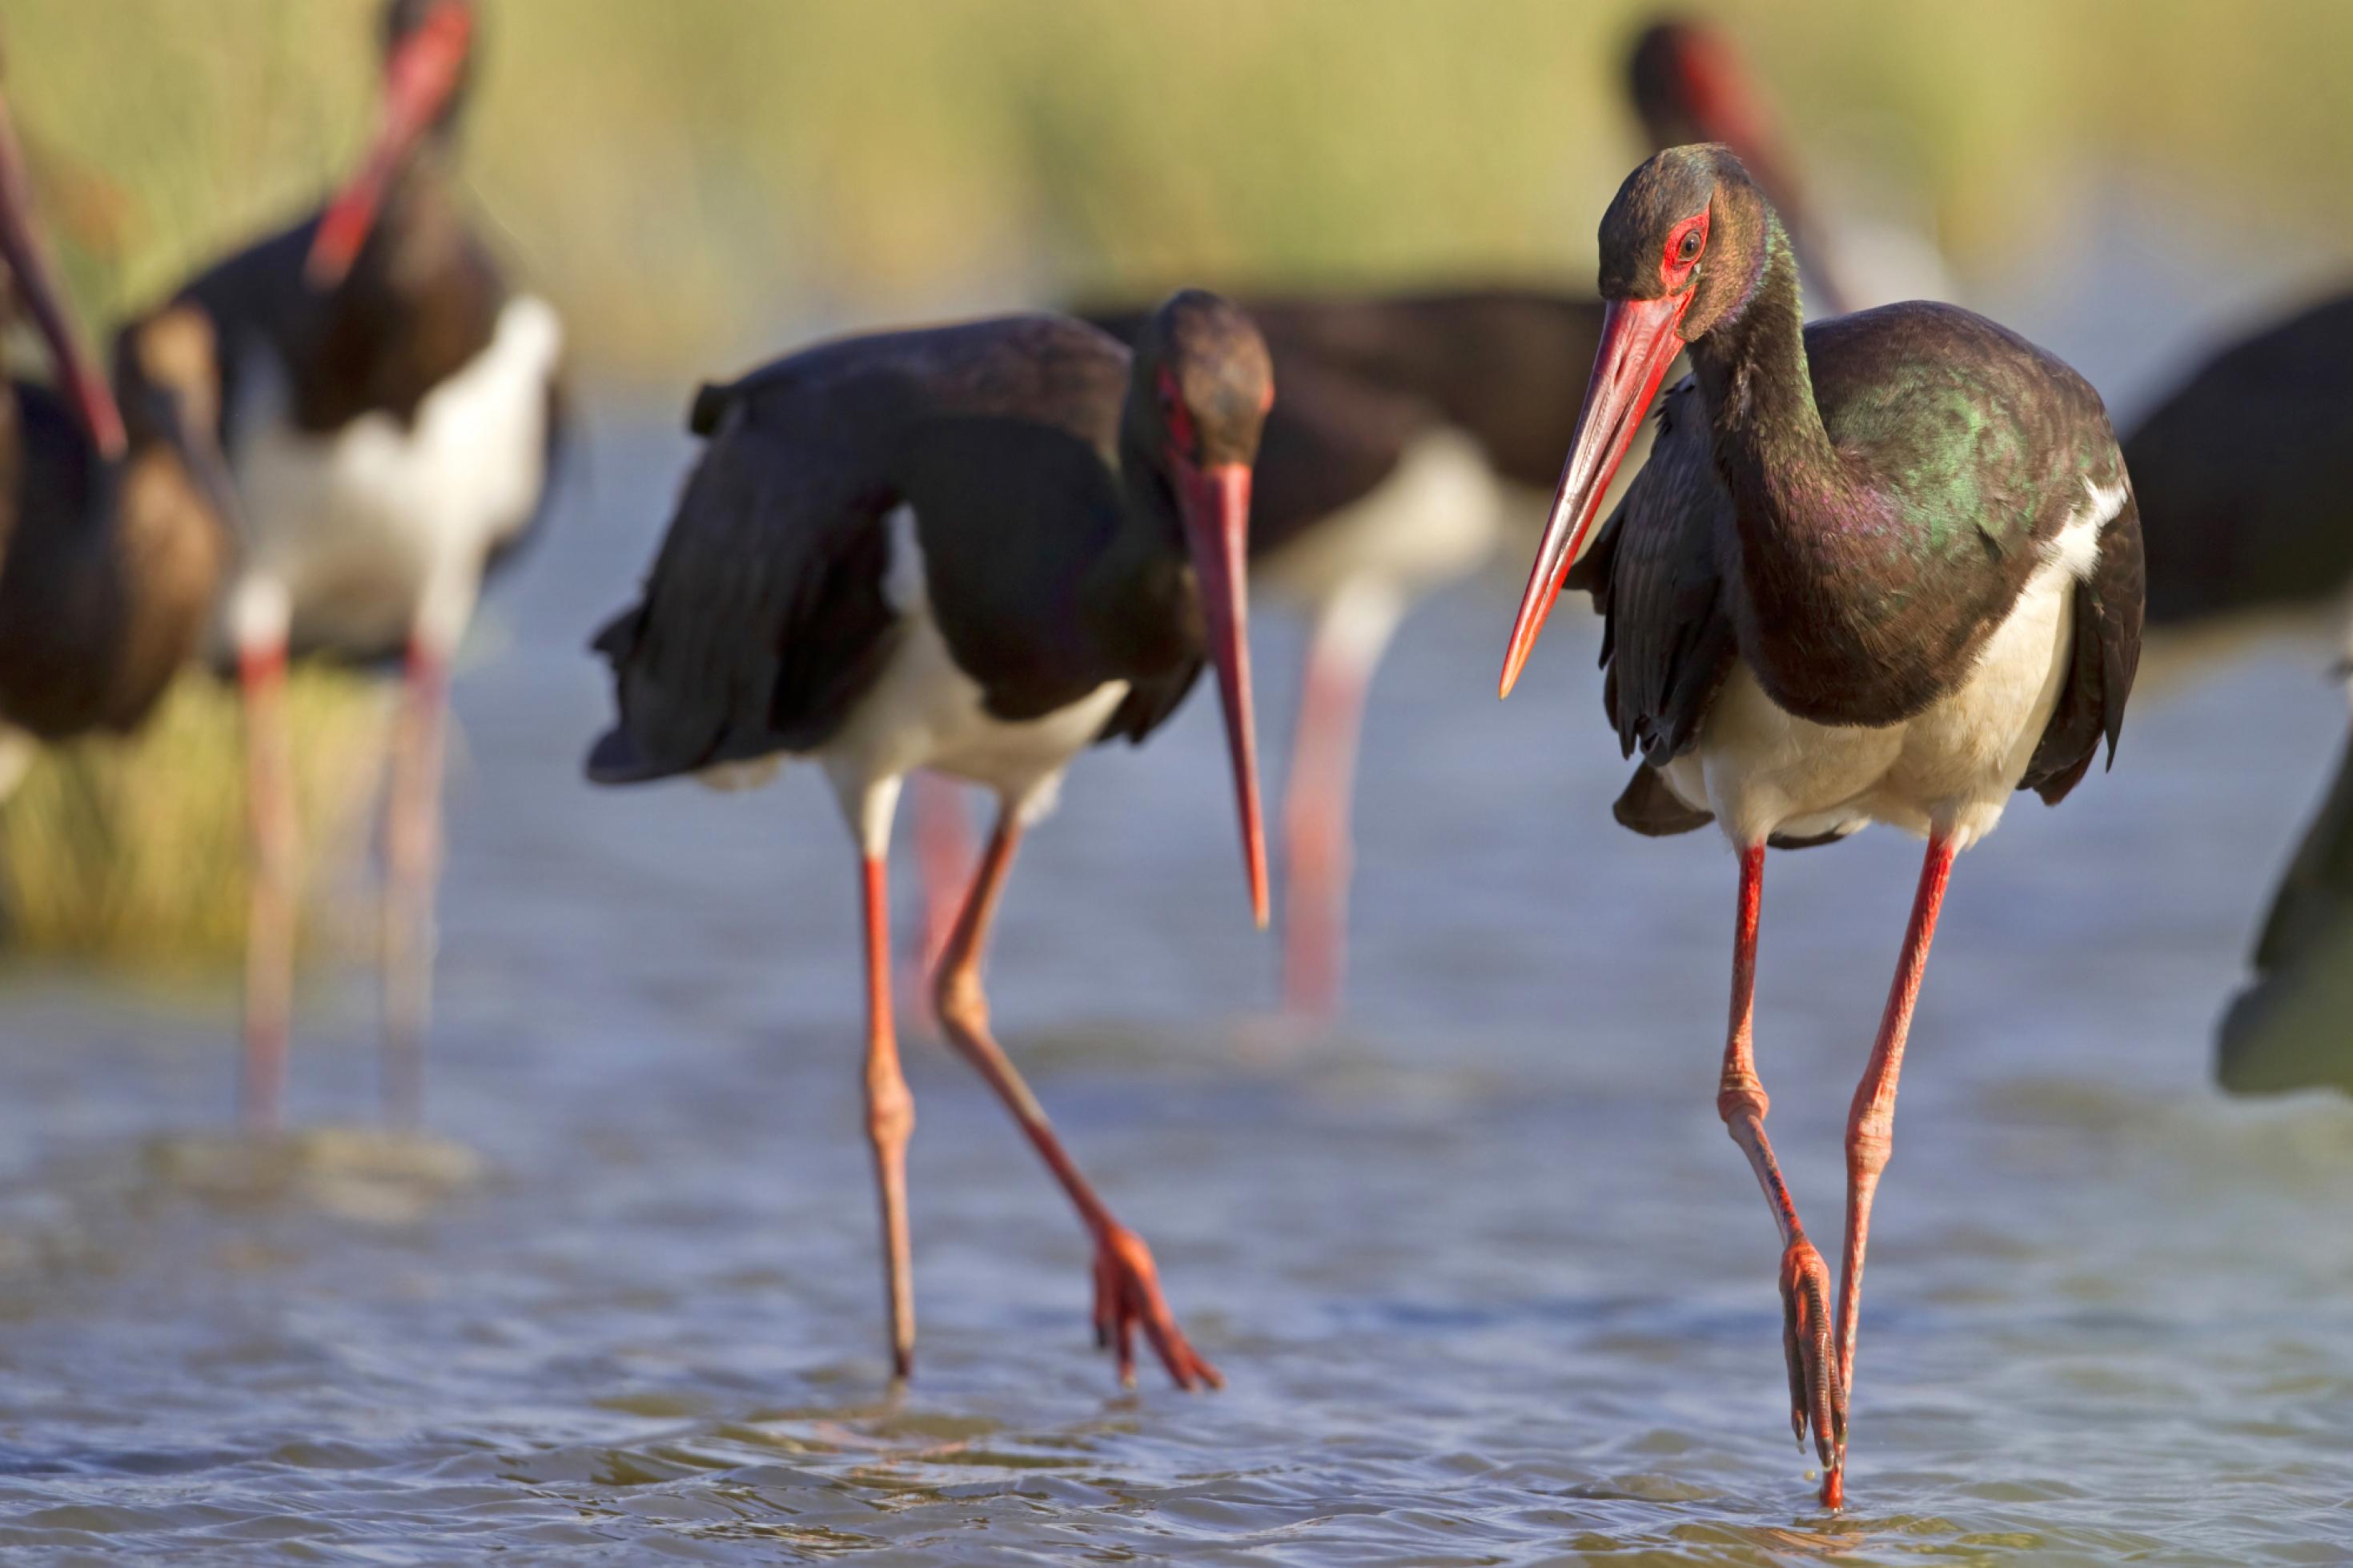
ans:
(1952, 770)
(923, 712)
(379, 529)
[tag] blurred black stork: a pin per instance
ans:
(975, 549)
(1882, 568)
(115, 528)
(388, 405)
(2241, 471)
(1413, 426)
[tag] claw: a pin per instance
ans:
(1127, 1295)
(1816, 1399)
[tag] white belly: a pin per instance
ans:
(1436, 519)
(376, 531)
(923, 712)
(1950, 771)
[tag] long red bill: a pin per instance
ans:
(1639, 342)
(423, 72)
(1215, 504)
(36, 285)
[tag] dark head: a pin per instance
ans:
(1200, 385)
(35, 283)
(1683, 247)
(167, 369)
(427, 55)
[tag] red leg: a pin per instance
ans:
(943, 865)
(412, 866)
(1127, 1286)
(270, 924)
(889, 1120)
(1816, 1394)
(1316, 838)
(1870, 1120)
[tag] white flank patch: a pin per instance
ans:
(924, 712)
(378, 531)
(2075, 547)
(1435, 519)
(734, 778)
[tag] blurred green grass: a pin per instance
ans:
(131, 852)
(691, 180)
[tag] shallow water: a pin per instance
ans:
(1488, 1280)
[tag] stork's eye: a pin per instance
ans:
(1689, 249)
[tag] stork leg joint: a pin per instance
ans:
(958, 1000)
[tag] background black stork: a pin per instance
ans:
(1883, 568)
(2288, 1028)
(2243, 470)
(977, 550)
(112, 542)
(388, 406)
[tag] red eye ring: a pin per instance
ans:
(1686, 243)
(1175, 416)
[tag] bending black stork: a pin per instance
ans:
(114, 531)
(975, 549)
(388, 406)
(1883, 568)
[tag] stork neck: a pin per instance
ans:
(1138, 594)
(1785, 478)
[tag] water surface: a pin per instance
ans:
(1488, 1280)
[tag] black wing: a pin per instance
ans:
(2106, 653)
(1667, 641)
(764, 619)
(2287, 1029)
(1658, 577)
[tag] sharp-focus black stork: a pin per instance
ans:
(114, 531)
(1882, 568)
(388, 406)
(975, 549)
(1412, 426)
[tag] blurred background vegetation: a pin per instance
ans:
(695, 181)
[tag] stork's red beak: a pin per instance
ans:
(424, 71)
(1639, 342)
(1215, 505)
(36, 285)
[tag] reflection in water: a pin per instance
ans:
(1486, 1275)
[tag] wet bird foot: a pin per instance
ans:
(1127, 1294)
(1817, 1396)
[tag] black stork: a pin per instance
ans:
(1411, 427)
(388, 405)
(2287, 1029)
(1881, 568)
(975, 549)
(115, 527)
(2242, 471)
